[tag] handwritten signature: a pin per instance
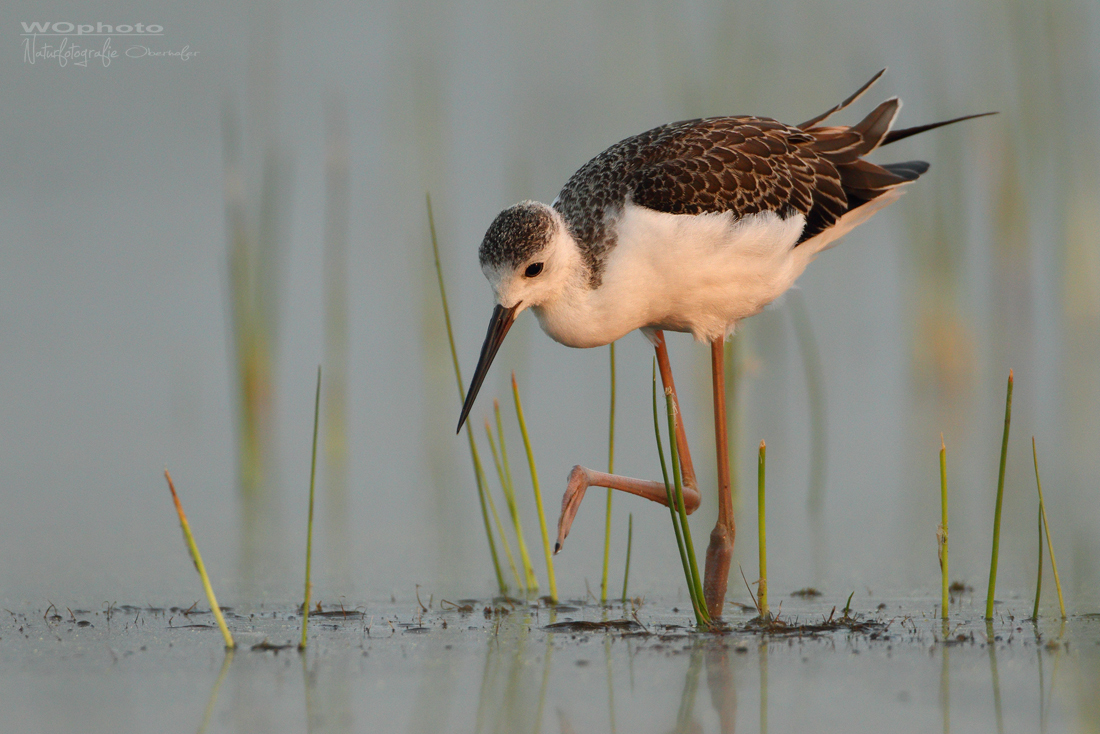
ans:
(66, 52)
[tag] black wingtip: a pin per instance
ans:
(895, 135)
(909, 170)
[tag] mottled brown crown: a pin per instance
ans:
(516, 235)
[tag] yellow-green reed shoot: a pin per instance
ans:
(997, 512)
(493, 508)
(309, 525)
(687, 560)
(941, 532)
(610, 470)
(670, 406)
(479, 474)
(1050, 544)
(762, 585)
(532, 582)
(538, 492)
(671, 499)
(196, 558)
(629, 542)
(1039, 569)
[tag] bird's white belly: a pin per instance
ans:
(699, 274)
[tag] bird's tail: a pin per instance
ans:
(895, 135)
(845, 147)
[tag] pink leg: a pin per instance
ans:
(720, 550)
(580, 479)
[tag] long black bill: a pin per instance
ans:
(498, 329)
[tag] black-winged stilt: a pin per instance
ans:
(691, 227)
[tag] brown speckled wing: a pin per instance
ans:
(746, 165)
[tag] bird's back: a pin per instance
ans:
(745, 165)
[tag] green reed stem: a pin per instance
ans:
(629, 542)
(671, 500)
(670, 406)
(944, 583)
(997, 512)
(532, 582)
(196, 558)
(479, 474)
(493, 507)
(309, 524)
(762, 587)
(538, 493)
(610, 470)
(1039, 570)
(1046, 526)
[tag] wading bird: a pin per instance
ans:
(688, 227)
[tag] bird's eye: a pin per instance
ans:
(533, 270)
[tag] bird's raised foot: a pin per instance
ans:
(578, 483)
(581, 478)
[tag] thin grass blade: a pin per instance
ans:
(532, 582)
(1046, 526)
(196, 558)
(629, 542)
(538, 493)
(997, 512)
(689, 546)
(493, 508)
(309, 524)
(761, 515)
(671, 498)
(941, 534)
(1039, 569)
(479, 474)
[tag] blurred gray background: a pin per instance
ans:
(117, 356)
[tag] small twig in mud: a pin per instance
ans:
(464, 608)
(751, 595)
(422, 607)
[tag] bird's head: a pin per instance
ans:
(527, 257)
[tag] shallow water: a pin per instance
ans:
(396, 669)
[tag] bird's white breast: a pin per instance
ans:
(693, 273)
